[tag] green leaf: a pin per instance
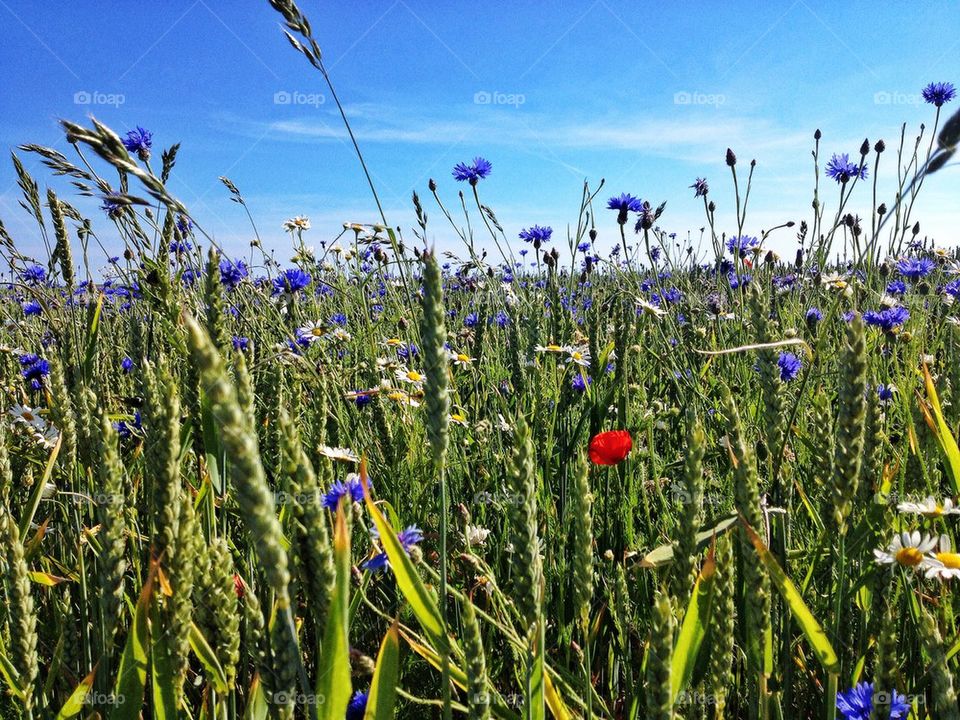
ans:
(421, 601)
(947, 442)
(37, 493)
(257, 708)
(333, 673)
(208, 658)
(132, 675)
(11, 676)
(535, 702)
(161, 670)
(818, 639)
(664, 554)
(383, 688)
(78, 698)
(696, 620)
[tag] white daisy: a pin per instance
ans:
(410, 376)
(476, 535)
(312, 331)
(558, 349)
(296, 223)
(649, 308)
(579, 356)
(339, 454)
(404, 398)
(340, 334)
(26, 415)
(46, 437)
(945, 563)
(929, 507)
(907, 549)
(460, 359)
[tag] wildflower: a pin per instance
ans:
(945, 563)
(112, 205)
(906, 549)
(551, 348)
(34, 369)
(46, 437)
(476, 535)
(857, 703)
(409, 539)
(33, 275)
(625, 203)
(338, 453)
(311, 332)
(27, 416)
(126, 429)
(742, 245)
(536, 235)
(474, 172)
(789, 365)
(290, 281)
(357, 707)
(648, 216)
(581, 382)
(813, 316)
(404, 398)
(700, 188)
(240, 343)
(583, 247)
(885, 392)
(939, 93)
(610, 447)
(352, 487)
(184, 226)
(896, 287)
(461, 360)
(410, 376)
(579, 356)
(32, 307)
(126, 365)
(649, 308)
(139, 141)
(915, 268)
(929, 507)
(888, 320)
(298, 223)
(338, 333)
(471, 320)
(232, 273)
(460, 419)
(840, 168)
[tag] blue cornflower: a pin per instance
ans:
(501, 319)
(654, 254)
(34, 275)
(842, 170)
(125, 428)
(139, 141)
(408, 538)
(536, 235)
(700, 187)
(405, 352)
(34, 368)
(179, 247)
(32, 307)
(290, 281)
(939, 93)
(952, 288)
(471, 320)
(583, 247)
(737, 280)
(813, 316)
(240, 343)
(915, 268)
(190, 276)
(896, 287)
(112, 205)
(232, 272)
(885, 392)
(580, 384)
(625, 203)
(126, 364)
(473, 173)
(352, 487)
(741, 245)
(361, 400)
(789, 365)
(888, 319)
(857, 703)
(184, 225)
(357, 707)
(338, 319)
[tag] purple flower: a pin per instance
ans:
(126, 365)
(742, 245)
(789, 365)
(32, 307)
(34, 368)
(939, 93)
(473, 173)
(471, 320)
(842, 170)
(127, 429)
(357, 707)
(536, 235)
(139, 141)
(33, 275)
(112, 205)
(896, 287)
(813, 316)
(885, 392)
(338, 490)
(915, 268)
(700, 187)
(887, 319)
(291, 281)
(240, 343)
(408, 538)
(625, 202)
(580, 384)
(583, 247)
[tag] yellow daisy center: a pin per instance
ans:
(949, 559)
(28, 416)
(577, 356)
(554, 348)
(937, 511)
(414, 376)
(909, 556)
(463, 358)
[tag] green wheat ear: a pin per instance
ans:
(720, 663)
(20, 610)
(478, 698)
(944, 694)
(522, 516)
(684, 567)
(850, 421)
(660, 660)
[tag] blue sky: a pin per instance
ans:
(645, 95)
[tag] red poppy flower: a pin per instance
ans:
(238, 585)
(611, 447)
